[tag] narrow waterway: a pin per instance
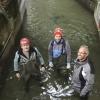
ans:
(41, 18)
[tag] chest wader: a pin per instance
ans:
(31, 68)
(60, 64)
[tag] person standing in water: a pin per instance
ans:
(83, 73)
(59, 51)
(24, 55)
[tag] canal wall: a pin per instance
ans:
(11, 17)
(8, 18)
(93, 6)
(89, 4)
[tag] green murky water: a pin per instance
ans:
(79, 28)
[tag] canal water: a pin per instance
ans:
(41, 17)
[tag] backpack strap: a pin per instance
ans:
(81, 78)
(52, 43)
(63, 43)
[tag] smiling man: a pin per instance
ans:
(83, 74)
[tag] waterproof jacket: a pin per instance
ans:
(83, 77)
(55, 50)
(21, 59)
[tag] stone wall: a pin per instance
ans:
(89, 4)
(9, 12)
(93, 6)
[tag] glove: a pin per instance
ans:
(83, 93)
(51, 64)
(18, 76)
(42, 69)
(68, 66)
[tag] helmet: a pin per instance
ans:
(24, 41)
(58, 31)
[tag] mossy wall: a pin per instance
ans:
(89, 4)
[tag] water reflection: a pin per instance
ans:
(56, 86)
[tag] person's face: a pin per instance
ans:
(82, 54)
(57, 37)
(25, 47)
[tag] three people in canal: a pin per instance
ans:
(83, 73)
(28, 61)
(59, 51)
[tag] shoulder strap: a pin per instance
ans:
(52, 43)
(64, 43)
(33, 49)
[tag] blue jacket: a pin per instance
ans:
(55, 49)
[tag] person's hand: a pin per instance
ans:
(18, 76)
(68, 66)
(83, 93)
(51, 64)
(82, 97)
(42, 69)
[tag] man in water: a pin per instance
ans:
(83, 74)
